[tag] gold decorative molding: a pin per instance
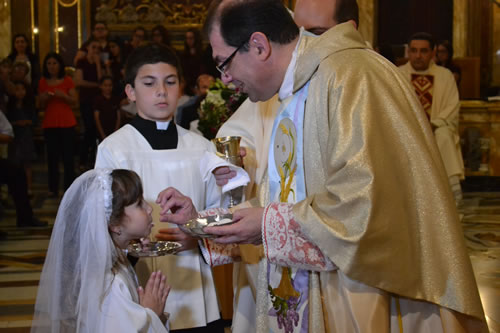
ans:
(166, 12)
(66, 4)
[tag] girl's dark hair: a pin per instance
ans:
(126, 189)
(148, 55)
(59, 59)
(13, 51)
(165, 37)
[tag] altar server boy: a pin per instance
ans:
(165, 155)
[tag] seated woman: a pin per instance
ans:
(87, 284)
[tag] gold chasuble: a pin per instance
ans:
(378, 204)
(377, 232)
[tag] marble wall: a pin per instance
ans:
(5, 29)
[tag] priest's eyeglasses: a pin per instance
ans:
(222, 67)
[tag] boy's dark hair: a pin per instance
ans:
(423, 36)
(239, 20)
(148, 55)
(126, 189)
(104, 78)
(57, 57)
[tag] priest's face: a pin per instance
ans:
(244, 69)
(420, 54)
(155, 91)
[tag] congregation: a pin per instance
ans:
(328, 210)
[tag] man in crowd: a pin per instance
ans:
(437, 90)
(352, 240)
(15, 178)
(188, 112)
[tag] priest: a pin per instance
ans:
(437, 91)
(354, 238)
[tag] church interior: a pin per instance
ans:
(472, 27)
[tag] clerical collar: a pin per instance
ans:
(286, 89)
(160, 135)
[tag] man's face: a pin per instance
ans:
(420, 54)
(244, 71)
(155, 91)
(138, 37)
(316, 16)
(204, 83)
(100, 31)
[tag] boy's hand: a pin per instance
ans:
(177, 235)
(181, 207)
(155, 294)
(223, 174)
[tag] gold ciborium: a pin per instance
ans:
(228, 148)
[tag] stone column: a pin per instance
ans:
(5, 28)
(367, 20)
(460, 27)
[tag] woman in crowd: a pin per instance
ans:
(444, 57)
(57, 96)
(192, 59)
(159, 35)
(21, 52)
(87, 284)
(114, 67)
(89, 71)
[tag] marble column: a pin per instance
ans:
(5, 28)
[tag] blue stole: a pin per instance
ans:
(288, 287)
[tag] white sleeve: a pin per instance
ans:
(121, 314)
(105, 157)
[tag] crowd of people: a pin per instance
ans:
(339, 232)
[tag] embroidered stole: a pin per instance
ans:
(288, 288)
(423, 85)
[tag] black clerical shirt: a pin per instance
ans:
(158, 139)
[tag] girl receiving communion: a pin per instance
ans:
(87, 284)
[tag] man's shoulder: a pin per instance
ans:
(192, 139)
(126, 136)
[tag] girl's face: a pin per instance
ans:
(157, 37)
(20, 92)
(52, 67)
(114, 49)
(20, 44)
(93, 49)
(137, 222)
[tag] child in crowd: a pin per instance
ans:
(106, 109)
(21, 114)
(166, 155)
(87, 284)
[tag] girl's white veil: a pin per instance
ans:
(76, 273)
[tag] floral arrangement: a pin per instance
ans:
(218, 106)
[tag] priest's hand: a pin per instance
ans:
(177, 235)
(180, 206)
(223, 174)
(154, 295)
(248, 229)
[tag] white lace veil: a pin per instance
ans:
(76, 274)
